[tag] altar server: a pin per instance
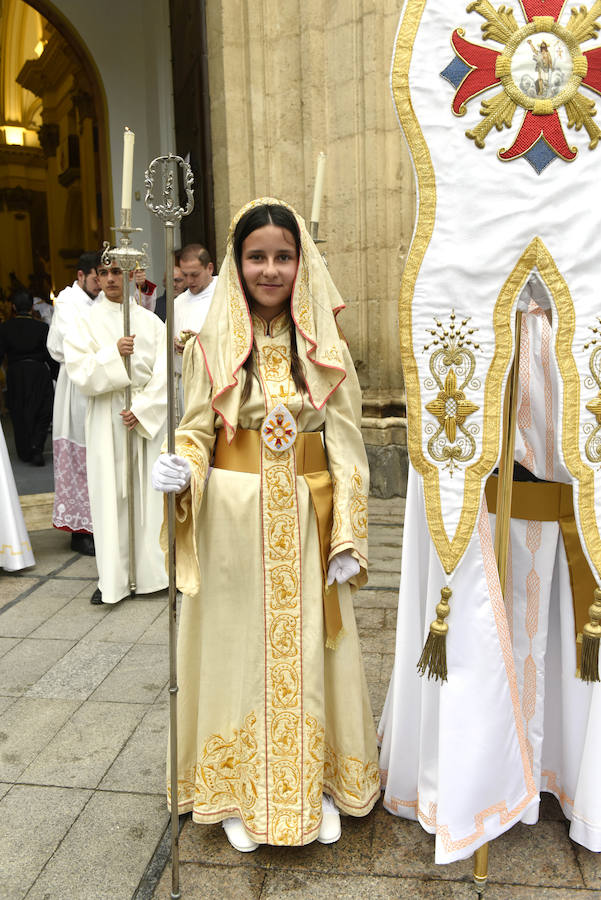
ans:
(191, 307)
(94, 356)
(71, 510)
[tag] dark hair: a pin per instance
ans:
(87, 262)
(258, 217)
(22, 302)
(195, 251)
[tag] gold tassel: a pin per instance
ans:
(591, 638)
(434, 654)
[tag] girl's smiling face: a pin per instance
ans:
(269, 264)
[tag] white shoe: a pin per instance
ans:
(330, 829)
(237, 835)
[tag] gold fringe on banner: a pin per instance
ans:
(591, 638)
(434, 655)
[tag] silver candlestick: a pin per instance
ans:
(127, 258)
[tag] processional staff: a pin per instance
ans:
(162, 178)
(127, 258)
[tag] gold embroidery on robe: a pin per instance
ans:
(226, 774)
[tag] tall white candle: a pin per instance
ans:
(128, 168)
(318, 190)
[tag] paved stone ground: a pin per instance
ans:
(83, 723)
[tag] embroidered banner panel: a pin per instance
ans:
(498, 106)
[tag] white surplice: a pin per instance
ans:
(93, 362)
(71, 510)
(189, 314)
(468, 758)
(15, 548)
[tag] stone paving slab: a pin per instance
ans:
(590, 866)
(141, 764)
(129, 619)
(7, 644)
(12, 586)
(216, 883)
(75, 620)
(34, 822)
(22, 666)
(105, 853)
(51, 550)
(84, 567)
(158, 632)
(138, 678)
(5, 702)
(29, 613)
(25, 729)
(4, 787)
(84, 749)
(79, 672)
(539, 855)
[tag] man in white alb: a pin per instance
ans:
(192, 306)
(95, 354)
(71, 510)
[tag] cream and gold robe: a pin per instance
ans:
(268, 717)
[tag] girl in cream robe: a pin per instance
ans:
(269, 717)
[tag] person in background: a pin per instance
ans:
(29, 376)
(191, 307)
(179, 285)
(143, 291)
(71, 511)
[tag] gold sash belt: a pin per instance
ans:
(550, 501)
(244, 455)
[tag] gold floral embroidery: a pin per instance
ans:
(358, 506)
(592, 447)
(350, 777)
(284, 587)
(452, 441)
(337, 517)
(281, 554)
(189, 450)
(314, 738)
(302, 299)
(276, 362)
(333, 355)
(226, 773)
(279, 481)
(238, 313)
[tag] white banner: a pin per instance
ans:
(497, 105)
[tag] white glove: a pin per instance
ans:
(342, 567)
(171, 474)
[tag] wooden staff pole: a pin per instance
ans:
(502, 525)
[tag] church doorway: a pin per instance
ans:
(55, 199)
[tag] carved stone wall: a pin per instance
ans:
(287, 79)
